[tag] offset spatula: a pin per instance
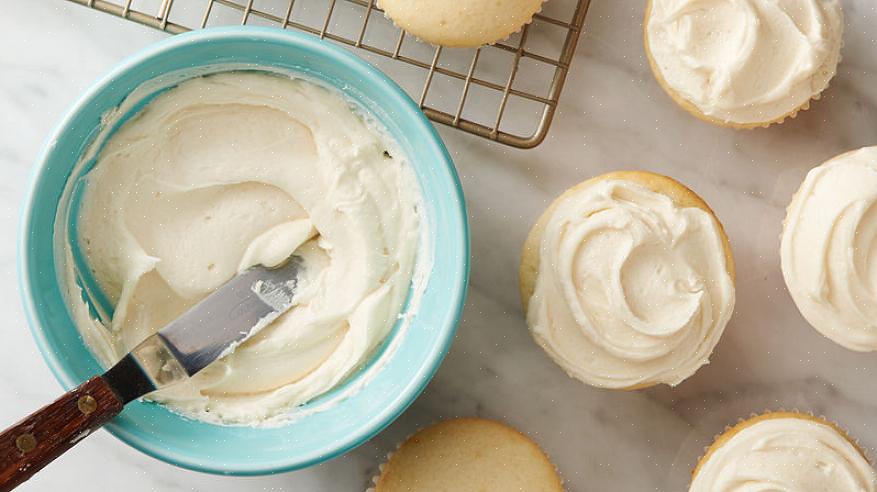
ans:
(212, 328)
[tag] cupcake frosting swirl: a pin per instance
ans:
(632, 290)
(745, 61)
(791, 454)
(829, 258)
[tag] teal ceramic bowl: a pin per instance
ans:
(314, 437)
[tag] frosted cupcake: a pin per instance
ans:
(829, 258)
(787, 451)
(746, 63)
(460, 23)
(627, 281)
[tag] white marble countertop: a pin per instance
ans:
(613, 116)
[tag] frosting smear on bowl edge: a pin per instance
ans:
(241, 168)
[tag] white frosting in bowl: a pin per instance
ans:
(787, 454)
(631, 289)
(829, 249)
(745, 61)
(239, 168)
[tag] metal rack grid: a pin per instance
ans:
(509, 108)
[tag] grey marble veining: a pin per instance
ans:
(613, 116)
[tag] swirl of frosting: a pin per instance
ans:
(829, 258)
(745, 61)
(632, 290)
(792, 454)
(240, 168)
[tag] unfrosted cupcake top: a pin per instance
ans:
(746, 61)
(787, 453)
(632, 290)
(461, 23)
(828, 251)
(468, 455)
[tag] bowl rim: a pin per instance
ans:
(456, 208)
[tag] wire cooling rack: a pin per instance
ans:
(507, 92)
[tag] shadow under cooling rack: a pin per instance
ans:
(507, 92)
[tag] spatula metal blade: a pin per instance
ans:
(209, 330)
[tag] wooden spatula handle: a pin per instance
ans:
(33, 443)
